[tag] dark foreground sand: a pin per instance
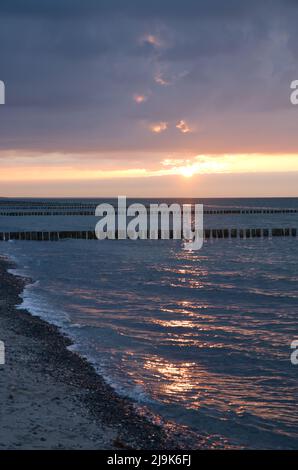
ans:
(50, 398)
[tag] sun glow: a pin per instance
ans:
(21, 167)
(240, 163)
(188, 171)
(187, 168)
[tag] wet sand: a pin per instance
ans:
(51, 398)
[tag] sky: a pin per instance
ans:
(148, 98)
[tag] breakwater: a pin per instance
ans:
(223, 233)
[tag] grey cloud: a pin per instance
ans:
(136, 8)
(71, 69)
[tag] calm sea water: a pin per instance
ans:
(201, 338)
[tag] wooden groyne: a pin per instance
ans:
(67, 213)
(216, 233)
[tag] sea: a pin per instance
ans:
(199, 338)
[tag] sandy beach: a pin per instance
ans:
(52, 399)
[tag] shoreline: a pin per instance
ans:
(52, 398)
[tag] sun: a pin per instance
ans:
(187, 171)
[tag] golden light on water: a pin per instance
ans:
(174, 378)
(196, 387)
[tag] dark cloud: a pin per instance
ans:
(164, 9)
(71, 70)
(154, 8)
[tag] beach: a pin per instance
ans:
(144, 345)
(52, 399)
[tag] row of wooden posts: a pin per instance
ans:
(92, 212)
(208, 234)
